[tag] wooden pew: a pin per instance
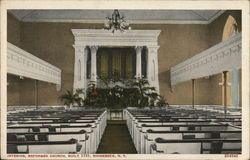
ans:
(80, 136)
(151, 135)
(217, 121)
(42, 147)
(44, 120)
(92, 142)
(98, 127)
(60, 129)
(138, 124)
(196, 146)
(134, 120)
(176, 127)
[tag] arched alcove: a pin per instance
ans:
(230, 28)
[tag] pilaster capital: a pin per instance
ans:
(93, 49)
(138, 49)
(79, 48)
(153, 49)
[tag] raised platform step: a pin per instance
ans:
(116, 122)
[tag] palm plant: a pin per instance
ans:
(145, 94)
(72, 98)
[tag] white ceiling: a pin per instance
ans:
(131, 16)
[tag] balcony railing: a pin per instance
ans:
(224, 56)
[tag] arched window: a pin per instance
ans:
(230, 28)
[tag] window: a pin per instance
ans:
(230, 28)
(116, 62)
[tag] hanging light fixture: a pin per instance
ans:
(116, 22)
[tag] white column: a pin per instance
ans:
(235, 88)
(152, 67)
(93, 63)
(84, 67)
(80, 67)
(138, 61)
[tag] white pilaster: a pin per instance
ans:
(152, 67)
(93, 63)
(138, 61)
(80, 67)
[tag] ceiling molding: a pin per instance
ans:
(132, 16)
(215, 16)
(200, 15)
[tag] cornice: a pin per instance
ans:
(101, 37)
(221, 57)
(22, 63)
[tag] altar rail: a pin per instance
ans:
(224, 56)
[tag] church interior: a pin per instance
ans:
(124, 81)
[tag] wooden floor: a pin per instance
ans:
(116, 139)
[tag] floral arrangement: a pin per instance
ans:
(115, 93)
(121, 94)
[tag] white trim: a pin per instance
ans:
(129, 21)
(101, 37)
(221, 57)
(22, 63)
(138, 61)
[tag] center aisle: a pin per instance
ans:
(116, 139)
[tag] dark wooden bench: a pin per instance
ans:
(80, 136)
(196, 146)
(151, 135)
(42, 147)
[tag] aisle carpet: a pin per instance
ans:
(116, 139)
